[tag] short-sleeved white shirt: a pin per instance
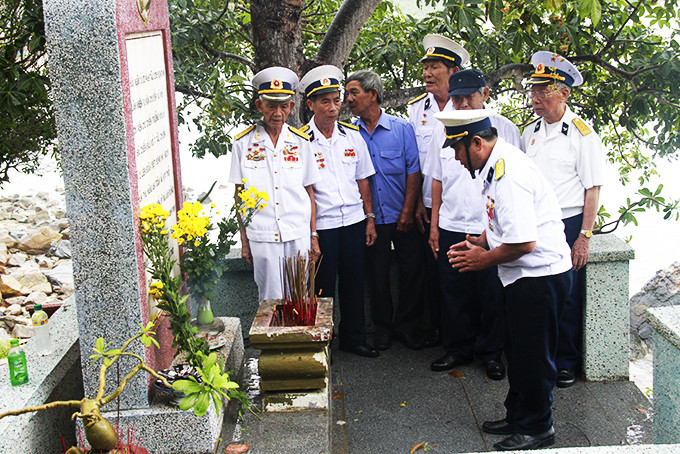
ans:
(342, 160)
(421, 116)
(519, 207)
(461, 195)
(569, 157)
(283, 171)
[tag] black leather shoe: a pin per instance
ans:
(432, 339)
(495, 369)
(566, 378)
(382, 340)
(500, 427)
(519, 442)
(412, 341)
(364, 350)
(448, 362)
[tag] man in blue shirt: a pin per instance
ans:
(392, 145)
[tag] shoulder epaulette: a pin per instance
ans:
(299, 133)
(349, 125)
(417, 98)
(581, 126)
(244, 132)
(304, 128)
(500, 169)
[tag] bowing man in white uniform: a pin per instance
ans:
(569, 153)
(443, 57)
(524, 237)
(278, 159)
(345, 222)
(471, 304)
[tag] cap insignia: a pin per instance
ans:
(540, 69)
(276, 83)
(430, 50)
(325, 81)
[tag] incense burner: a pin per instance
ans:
(294, 363)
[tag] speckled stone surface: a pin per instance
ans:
(666, 338)
(635, 449)
(608, 248)
(606, 322)
(56, 376)
(84, 63)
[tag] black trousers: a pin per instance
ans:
(432, 285)
(472, 306)
(533, 306)
(343, 254)
(569, 343)
(405, 318)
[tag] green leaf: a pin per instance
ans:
(202, 404)
(591, 9)
(188, 402)
(495, 13)
(187, 386)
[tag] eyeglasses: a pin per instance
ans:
(541, 95)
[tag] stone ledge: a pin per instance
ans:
(631, 449)
(609, 248)
(49, 378)
(666, 321)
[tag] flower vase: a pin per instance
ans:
(205, 314)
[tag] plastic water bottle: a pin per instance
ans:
(41, 331)
(16, 358)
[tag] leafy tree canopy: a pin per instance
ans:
(27, 127)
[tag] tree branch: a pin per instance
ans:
(618, 32)
(225, 55)
(517, 71)
(343, 32)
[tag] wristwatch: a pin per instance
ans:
(370, 215)
(587, 233)
(315, 235)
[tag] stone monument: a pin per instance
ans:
(113, 90)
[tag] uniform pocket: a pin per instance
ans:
(392, 161)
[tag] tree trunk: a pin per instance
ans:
(277, 33)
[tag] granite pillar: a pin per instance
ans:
(666, 338)
(606, 319)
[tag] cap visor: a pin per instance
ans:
(449, 142)
(322, 91)
(463, 91)
(276, 96)
(538, 81)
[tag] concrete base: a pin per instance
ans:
(295, 401)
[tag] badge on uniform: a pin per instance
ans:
(320, 160)
(290, 155)
(349, 152)
(255, 155)
(490, 211)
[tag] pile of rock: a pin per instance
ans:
(662, 290)
(35, 258)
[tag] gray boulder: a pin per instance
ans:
(662, 290)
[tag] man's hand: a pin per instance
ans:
(371, 234)
(434, 241)
(421, 216)
(405, 221)
(315, 250)
(245, 251)
(465, 256)
(580, 252)
(478, 240)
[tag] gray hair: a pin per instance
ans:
(369, 80)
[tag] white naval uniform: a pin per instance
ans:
(519, 207)
(461, 195)
(282, 228)
(570, 156)
(421, 116)
(342, 160)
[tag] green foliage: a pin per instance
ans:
(214, 386)
(27, 128)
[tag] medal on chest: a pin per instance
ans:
(256, 153)
(349, 152)
(490, 211)
(290, 153)
(320, 160)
